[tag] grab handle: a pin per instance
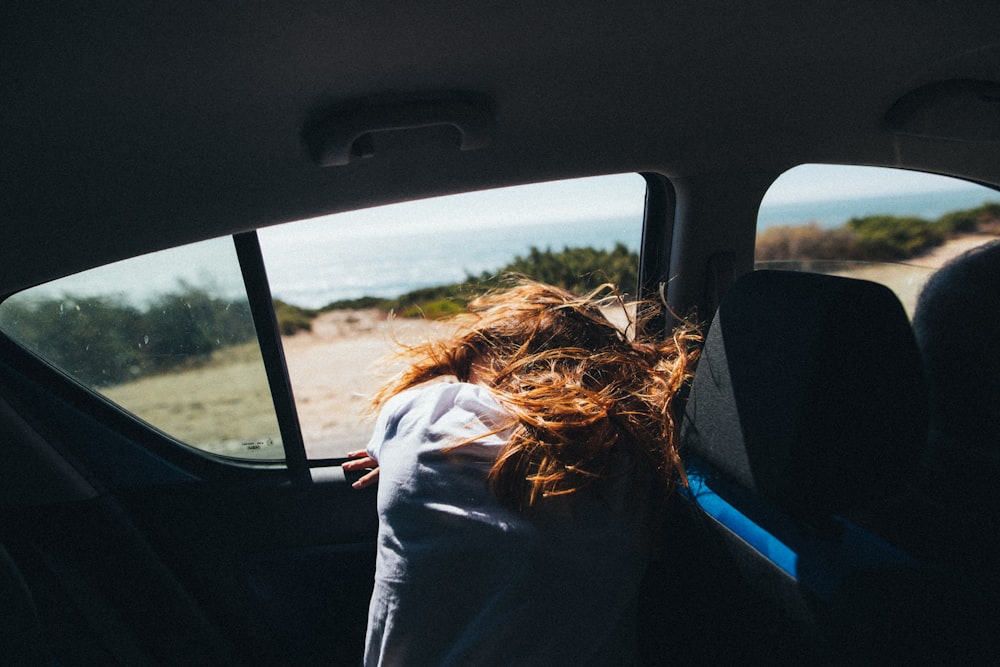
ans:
(343, 134)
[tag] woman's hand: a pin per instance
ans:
(361, 461)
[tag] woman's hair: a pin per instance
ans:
(588, 402)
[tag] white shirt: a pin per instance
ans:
(462, 580)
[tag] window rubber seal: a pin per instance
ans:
(657, 243)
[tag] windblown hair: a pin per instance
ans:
(588, 401)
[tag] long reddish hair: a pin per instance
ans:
(587, 399)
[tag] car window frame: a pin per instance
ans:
(188, 463)
(918, 272)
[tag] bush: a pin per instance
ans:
(808, 241)
(96, 340)
(433, 310)
(103, 341)
(579, 270)
(576, 269)
(186, 326)
(360, 303)
(875, 237)
(887, 237)
(958, 222)
(292, 319)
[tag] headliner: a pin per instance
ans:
(131, 126)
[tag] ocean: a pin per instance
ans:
(392, 264)
(833, 213)
(334, 262)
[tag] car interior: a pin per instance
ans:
(228, 162)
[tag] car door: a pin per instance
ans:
(192, 527)
(183, 424)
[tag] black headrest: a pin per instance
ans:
(957, 326)
(809, 392)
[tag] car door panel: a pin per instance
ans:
(155, 564)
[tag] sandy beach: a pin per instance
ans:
(225, 405)
(338, 366)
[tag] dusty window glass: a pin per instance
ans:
(336, 279)
(890, 226)
(168, 337)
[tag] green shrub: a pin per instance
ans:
(97, 340)
(957, 222)
(874, 237)
(292, 319)
(361, 303)
(809, 241)
(888, 237)
(103, 341)
(577, 269)
(433, 310)
(186, 326)
(436, 302)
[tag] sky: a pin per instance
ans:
(587, 198)
(609, 196)
(817, 182)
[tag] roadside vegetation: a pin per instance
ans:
(576, 269)
(877, 238)
(106, 341)
(293, 319)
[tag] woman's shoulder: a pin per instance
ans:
(446, 390)
(442, 396)
(439, 414)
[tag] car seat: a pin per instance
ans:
(807, 409)
(957, 326)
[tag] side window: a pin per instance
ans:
(890, 226)
(168, 337)
(350, 285)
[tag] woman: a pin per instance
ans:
(521, 464)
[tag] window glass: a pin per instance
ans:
(890, 226)
(336, 279)
(168, 337)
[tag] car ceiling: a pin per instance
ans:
(131, 126)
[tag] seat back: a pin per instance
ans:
(957, 324)
(807, 407)
(809, 393)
